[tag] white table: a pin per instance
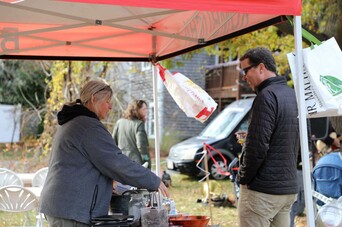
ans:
(26, 178)
(36, 190)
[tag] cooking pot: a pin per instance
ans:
(119, 204)
(129, 201)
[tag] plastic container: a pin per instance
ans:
(329, 215)
(190, 221)
(170, 205)
(135, 204)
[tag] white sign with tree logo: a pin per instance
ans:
(322, 79)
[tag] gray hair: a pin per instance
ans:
(98, 88)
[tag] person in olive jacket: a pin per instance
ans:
(85, 160)
(268, 165)
(130, 135)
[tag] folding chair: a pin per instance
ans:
(17, 199)
(38, 180)
(8, 177)
(39, 177)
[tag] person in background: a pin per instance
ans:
(330, 143)
(267, 173)
(130, 135)
(85, 160)
(166, 178)
(331, 140)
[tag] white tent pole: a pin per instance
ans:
(302, 123)
(156, 109)
(156, 121)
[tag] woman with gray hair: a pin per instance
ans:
(85, 160)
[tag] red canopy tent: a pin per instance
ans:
(136, 30)
(128, 30)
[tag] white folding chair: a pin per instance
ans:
(18, 199)
(8, 177)
(39, 177)
(38, 180)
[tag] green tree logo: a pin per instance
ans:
(333, 84)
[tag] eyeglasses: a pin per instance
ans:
(243, 72)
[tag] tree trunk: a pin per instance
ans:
(334, 29)
(333, 26)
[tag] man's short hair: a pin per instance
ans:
(261, 55)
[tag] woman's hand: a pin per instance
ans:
(163, 189)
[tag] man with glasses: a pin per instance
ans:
(267, 173)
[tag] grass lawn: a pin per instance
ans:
(186, 191)
(16, 219)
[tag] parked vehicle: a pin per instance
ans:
(220, 134)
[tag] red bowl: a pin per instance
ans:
(189, 221)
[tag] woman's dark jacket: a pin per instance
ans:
(269, 157)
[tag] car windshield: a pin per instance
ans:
(224, 123)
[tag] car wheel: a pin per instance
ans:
(214, 169)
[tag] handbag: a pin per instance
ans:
(191, 98)
(322, 78)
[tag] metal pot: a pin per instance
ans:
(119, 204)
(129, 199)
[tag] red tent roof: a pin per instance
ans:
(275, 7)
(130, 30)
